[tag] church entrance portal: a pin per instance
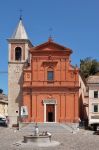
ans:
(50, 113)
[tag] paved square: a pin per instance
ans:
(81, 140)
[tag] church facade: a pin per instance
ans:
(43, 85)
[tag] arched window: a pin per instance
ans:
(50, 74)
(18, 53)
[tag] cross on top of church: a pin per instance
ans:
(21, 14)
(50, 34)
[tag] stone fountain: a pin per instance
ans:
(43, 137)
(37, 139)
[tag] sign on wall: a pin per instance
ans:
(24, 111)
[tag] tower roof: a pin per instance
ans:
(20, 32)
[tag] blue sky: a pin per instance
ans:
(75, 24)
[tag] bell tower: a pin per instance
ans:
(18, 50)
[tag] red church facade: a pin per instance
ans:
(51, 85)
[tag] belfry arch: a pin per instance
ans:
(18, 53)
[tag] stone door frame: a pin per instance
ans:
(48, 102)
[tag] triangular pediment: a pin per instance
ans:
(50, 46)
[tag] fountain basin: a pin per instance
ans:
(37, 139)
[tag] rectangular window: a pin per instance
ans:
(95, 94)
(95, 108)
(50, 75)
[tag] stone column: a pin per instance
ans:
(44, 112)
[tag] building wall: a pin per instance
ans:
(83, 99)
(15, 79)
(3, 109)
(3, 105)
(63, 89)
(14, 91)
(93, 116)
(66, 107)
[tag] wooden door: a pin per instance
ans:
(50, 113)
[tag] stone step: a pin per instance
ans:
(50, 127)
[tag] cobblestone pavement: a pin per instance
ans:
(81, 140)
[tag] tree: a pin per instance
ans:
(1, 91)
(88, 67)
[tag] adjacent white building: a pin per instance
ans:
(93, 113)
(3, 105)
